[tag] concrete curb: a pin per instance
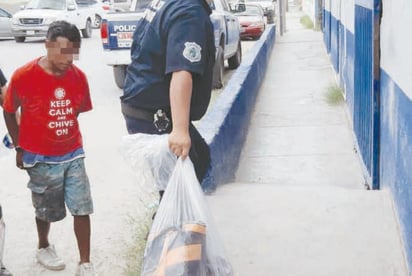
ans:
(225, 126)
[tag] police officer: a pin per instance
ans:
(169, 81)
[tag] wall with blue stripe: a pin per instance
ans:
(334, 41)
(380, 107)
(363, 98)
(396, 153)
(352, 58)
(347, 66)
(327, 29)
(225, 125)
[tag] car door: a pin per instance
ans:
(74, 15)
(5, 23)
(232, 27)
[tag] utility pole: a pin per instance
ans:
(282, 15)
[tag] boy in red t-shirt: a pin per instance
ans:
(51, 92)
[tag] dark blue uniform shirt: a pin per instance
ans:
(173, 35)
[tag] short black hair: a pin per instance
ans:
(64, 29)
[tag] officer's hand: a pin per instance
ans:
(180, 143)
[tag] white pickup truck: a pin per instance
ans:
(33, 19)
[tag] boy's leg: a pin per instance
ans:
(46, 184)
(79, 202)
(43, 229)
(82, 231)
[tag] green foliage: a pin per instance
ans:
(307, 22)
(134, 254)
(334, 95)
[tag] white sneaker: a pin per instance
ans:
(48, 258)
(85, 269)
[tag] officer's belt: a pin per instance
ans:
(137, 113)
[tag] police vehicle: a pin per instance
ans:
(117, 29)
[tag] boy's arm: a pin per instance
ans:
(2, 93)
(12, 126)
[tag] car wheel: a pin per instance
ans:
(87, 31)
(19, 39)
(235, 61)
(119, 72)
(218, 69)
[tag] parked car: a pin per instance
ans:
(35, 18)
(227, 39)
(5, 24)
(98, 7)
(251, 19)
(268, 6)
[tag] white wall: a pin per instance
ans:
(327, 4)
(335, 8)
(396, 42)
(347, 16)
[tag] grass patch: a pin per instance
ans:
(134, 253)
(139, 223)
(306, 22)
(334, 95)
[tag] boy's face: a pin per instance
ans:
(61, 53)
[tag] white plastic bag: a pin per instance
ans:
(183, 239)
(150, 158)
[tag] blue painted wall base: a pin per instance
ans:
(225, 125)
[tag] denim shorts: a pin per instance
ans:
(54, 185)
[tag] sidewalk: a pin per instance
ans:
(298, 206)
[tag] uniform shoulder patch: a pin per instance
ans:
(192, 52)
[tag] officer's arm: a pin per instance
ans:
(180, 96)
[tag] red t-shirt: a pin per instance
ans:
(49, 108)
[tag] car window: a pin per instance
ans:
(252, 9)
(70, 2)
(141, 5)
(224, 5)
(3, 13)
(217, 4)
(47, 4)
(85, 3)
(212, 5)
